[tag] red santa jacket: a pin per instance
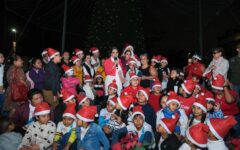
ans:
(186, 104)
(110, 68)
(129, 90)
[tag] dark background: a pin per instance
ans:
(170, 27)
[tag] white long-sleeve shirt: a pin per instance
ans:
(1, 74)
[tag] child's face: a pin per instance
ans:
(195, 79)
(163, 101)
(78, 63)
(79, 123)
(80, 56)
(211, 136)
(138, 121)
(1, 58)
(66, 55)
(174, 74)
(141, 98)
(36, 99)
(88, 59)
(85, 103)
(131, 66)
(210, 105)
(173, 106)
(99, 80)
(157, 89)
(38, 64)
(110, 107)
(43, 119)
(196, 91)
(163, 64)
(134, 82)
(67, 121)
(197, 111)
(111, 91)
(57, 58)
(118, 106)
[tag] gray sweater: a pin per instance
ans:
(10, 141)
(234, 72)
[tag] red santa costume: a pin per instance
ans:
(219, 128)
(93, 60)
(134, 56)
(113, 73)
(154, 100)
(196, 68)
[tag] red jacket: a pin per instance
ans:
(130, 91)
(186, 104)
(154, 101)
(110, 68)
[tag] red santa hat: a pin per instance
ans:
(188, 86)
(70, 111)
(94, 50)
(44, 52)
(197, 57)
(209, 96)
(156, 83)
(221, 126)
(125, 101)
(128, 47)
(145, 91)
(66, 95)
(42, 109)
(52, 53)
(87, 78)
(198, 134)
(218, 82)
(78, 51)
(66, 68)
(173, 97)
(113, 100)
(133, 75)
(113, 85)
(155, 59)
(98, 75)
(169, 124)
(87, 114)
(201, 102)
(74, 59)
(137, 110)
(164, 59)
(131, 61)
(81, 98)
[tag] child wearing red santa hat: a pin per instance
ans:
(196, 137)
(99, 88)
(141, 131)
(89, 88)
(77, 69)
(66, 129)
(111, 92)
(219, 128)
(154, 98)
(89, 134)
(39, 134)
(82, 101)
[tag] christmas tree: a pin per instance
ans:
(114, 23)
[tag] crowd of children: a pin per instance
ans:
(69, 106)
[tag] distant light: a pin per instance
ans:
(14, 30)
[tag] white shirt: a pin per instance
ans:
(61, 128)
(31, 111)
(88, 90)
(94, 61)
(216, 145)
(84, 132)
(1, 74)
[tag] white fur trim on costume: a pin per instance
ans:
(145, 94)
(217, 88)
(138, 113)
(120, 103)
(78, 53)
(44, 53)
(210, 99)
(155, 60)
(57, 53)
(76, 60)
(185, 89)
(42, 113)
(69, 98)
(193, 141)
(165, 127)
(95, 51)
(213, 130)
(69, 115)
(173, 100)
(83, 100)
(201, 106)
(68, 70)
(88, 80)
(112, 102)
(132, 62)
(164, 60)
(135, 76)
(197, 57)
(84, 119)
(158, 85)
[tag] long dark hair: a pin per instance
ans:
(204, 115)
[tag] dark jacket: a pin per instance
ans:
(52, 78)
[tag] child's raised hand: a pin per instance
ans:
(54, 146)
(216, 107)
(35, 147)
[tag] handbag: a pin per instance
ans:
(19, 92)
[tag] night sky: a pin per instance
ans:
(170, 27)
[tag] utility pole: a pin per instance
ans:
(200, 28)
(64, 25)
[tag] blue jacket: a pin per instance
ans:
(92, 139)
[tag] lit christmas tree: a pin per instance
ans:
(114, 23)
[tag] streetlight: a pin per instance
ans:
(15, 39)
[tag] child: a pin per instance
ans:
(88, 87)
(82, 101)
(166, 128)
(142, 100)
(112, 92)
(199, 111)
(9, 140)
(163, 101)
(154, 97)
(174, 82)
(214, 110)
(89, 135)
(77, 69)
(101, 70)
(138, 127)
(69, 82)
(173, 107)
(196, 137)
(219, 128)
(40, 134)
(105, 114)
(66, 130)
(134, 86)
(186, 99)
(79, 53)
(99, 88)
(163, 71)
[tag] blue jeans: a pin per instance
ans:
(64, 140)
